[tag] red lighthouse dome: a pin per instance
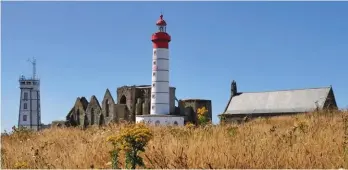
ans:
(161, 38)
(161, 21)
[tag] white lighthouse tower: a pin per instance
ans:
(160, 109)
(160, 70)
(29, 108)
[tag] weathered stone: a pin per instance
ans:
(108, 107)
(138, 107)
(76, 116)
(146, 107)
(194, 105)
(93, 111)
(131, 101)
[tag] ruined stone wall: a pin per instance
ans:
(138, 99)
(191, 106)
(126, 95)
(107, 115)
(122, 112)
(77, 115)
(131, 101)
(93, 111)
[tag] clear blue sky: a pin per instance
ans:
(82, 48)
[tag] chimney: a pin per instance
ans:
(233, 88)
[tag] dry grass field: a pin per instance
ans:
(313, 140)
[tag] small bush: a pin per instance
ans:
(131, 140)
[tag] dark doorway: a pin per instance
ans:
(101, 120)
(123, 100)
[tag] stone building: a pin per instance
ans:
(130, 101)
(243, 105)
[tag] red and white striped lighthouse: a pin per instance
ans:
(160, 70)
(160, 97)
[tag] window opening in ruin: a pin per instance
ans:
(107, 109)
(157, 122)
(24, 117)
(92, 116)
(175, 123)
(123, 100)
(78, 116)
(25, 105)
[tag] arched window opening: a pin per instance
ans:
(107, 109)
(78, 116)
(92, 116)
(123, 100)
(157, 123)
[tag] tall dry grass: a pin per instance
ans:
(314, 140)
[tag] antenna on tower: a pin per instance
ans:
(33, 61)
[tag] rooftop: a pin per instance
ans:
(279, 101)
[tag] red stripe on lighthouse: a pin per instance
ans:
(154, 68)
(161, 45)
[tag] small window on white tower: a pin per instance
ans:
(25, 95)
(153, 107)
(154, 84)
(24, 117)
(153, 96)
(154, 52)
(154, 62)
(153, 74)
(25, 106)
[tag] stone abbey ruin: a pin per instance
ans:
(130, 101)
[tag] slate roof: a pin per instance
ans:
(283, 101)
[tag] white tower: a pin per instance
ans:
(160, 108)
(29, 108)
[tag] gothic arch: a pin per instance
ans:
(123, 100)
(78, 116)
(101, 120)
(92, 116)
(107, 107)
